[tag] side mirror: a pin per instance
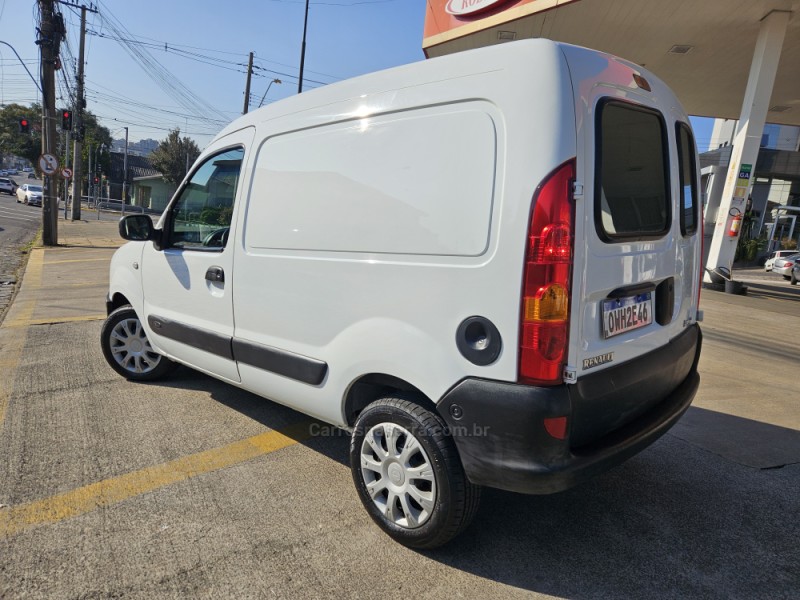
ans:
(137, 228)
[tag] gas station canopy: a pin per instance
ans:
(702, 50)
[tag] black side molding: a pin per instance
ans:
(207, 341)
(295, 366)
(289, 364)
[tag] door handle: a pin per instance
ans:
(215, 274)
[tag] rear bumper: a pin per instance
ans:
(499, 427)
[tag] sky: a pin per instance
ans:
(204, 46)
(195, 56)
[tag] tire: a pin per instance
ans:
(419, 512)
(793, 279)
(127, 349)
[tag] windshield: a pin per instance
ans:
(35, 188)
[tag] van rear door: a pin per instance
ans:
(635, 274)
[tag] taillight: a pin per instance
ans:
(544, 326)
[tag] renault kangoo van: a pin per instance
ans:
(485, 266)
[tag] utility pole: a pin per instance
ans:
(125, 173)
(51, 31)
(78, 128)
(66, 164)
(247, 86)
(90, 177)
(303, 52)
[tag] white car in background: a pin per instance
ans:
(777, 254)
(30, 194)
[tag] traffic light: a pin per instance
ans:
(24, 125)
(96, 179)
(66, 120)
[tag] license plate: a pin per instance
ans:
(626, 314)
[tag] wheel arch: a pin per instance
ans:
(372, 386)
(117, 299)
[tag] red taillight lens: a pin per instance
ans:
(544, 327)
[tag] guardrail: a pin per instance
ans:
(109, 205)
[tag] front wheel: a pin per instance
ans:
(127, 349)
(408, 474)
(794, 279)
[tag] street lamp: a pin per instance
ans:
(278, 81)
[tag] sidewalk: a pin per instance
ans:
(68, 282)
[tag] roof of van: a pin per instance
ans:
(435, 69)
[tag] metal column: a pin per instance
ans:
(738, 181)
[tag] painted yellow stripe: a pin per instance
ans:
(117, 489)
(13, 342)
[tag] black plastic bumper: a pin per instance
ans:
(612, 415)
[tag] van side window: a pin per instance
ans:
(201, 217)
(632, 197)
(688, 177)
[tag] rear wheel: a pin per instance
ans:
(127, 349)
(408, 474)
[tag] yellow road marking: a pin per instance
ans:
(117, 489)
(19, 315)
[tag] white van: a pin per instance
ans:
(486, 266)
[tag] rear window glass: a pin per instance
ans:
(632, 187)
(686, 164)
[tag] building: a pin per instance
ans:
(146, 186)
(776, 181)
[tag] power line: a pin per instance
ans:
(154, 128)
(168, 82)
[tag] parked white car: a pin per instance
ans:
(485, 266)
(777, 254)
(30, 194)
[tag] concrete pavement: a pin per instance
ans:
(193, 488)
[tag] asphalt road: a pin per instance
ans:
(18, 226)
(191, 488)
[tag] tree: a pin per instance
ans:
(29, 145)
(25, 145)
(95, 135)
(170, 158)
